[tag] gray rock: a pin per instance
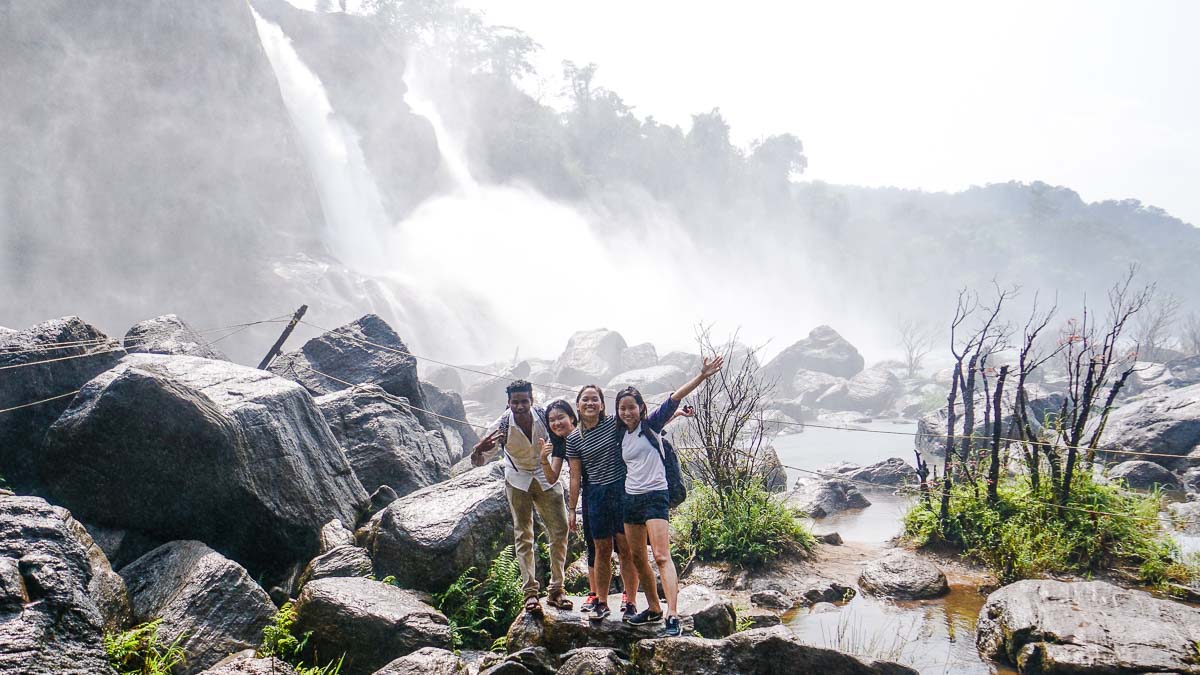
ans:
(372, 622)
(560, 631)
(809, 385)
(814, 591)
(343, 561)
(871, 391)
(774, 474)
(1143, 475)
(823, 608)
(247, 663)
(490, 390)
(831, 538)
(122, 547)
(772, 599)
(904, 576)
(762, 651)
(1183, 372)
(684, 361)
(824, 351)
(760, 617)
(1191, 480)
(207, 601)
(1166, 423)
(52, 589)
(638, 357)
(931, 427)
(384, 440)
(430, 537)
(1187, 516)
(380, 499)
(1047, 626)
(450, 404)
(891, 472)
(445, 378)
(168, 334)
(591, 357)
(333, 535)
(366, 351)
(819, 498)
(535, 660)
(712, 615)
(187, 448)
(593, 661)
(426, 661)
(651, 381)
(22, 431)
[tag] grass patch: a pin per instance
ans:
(140, 651)
(744, 526)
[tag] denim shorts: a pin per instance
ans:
(647, 506)
(605, 510)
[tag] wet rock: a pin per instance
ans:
(426, 661)
(52, 588)
(450, 404)
(831, 538)
(22, 431)
(247, 663)
(1143, 475)
(1166, 423)
(823, 608)
(754, 652)
(591, 357)
(638, 357)
(814, 591)
(1186, 515)
(334, 534)
(651, 381)
(384, 440)
(904, 576)
(1048, 626)
(891, 472)
(759, 617)
(772, 599)
(593, 661)
(168, 334)
(430, 537)
(819, 498)
(823, 351)
(207, 601)
(181, 447)
(366, 351)
(712, 615)
(871, 391)
(372, 622)
(560, 631)
(343, 561)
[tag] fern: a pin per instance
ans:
(139, 651)
(281, 642)
(480, 612)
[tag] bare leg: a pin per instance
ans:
(603, 567)
(629, 574)
(660, 543)
(634, 534)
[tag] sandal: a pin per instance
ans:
(532, 606)
(559, 600)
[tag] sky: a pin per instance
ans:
(1098, 96)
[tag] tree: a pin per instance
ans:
(1190, 340)
(781, 156)
(916, 338)
(1152, 331)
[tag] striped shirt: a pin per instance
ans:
(599, 450)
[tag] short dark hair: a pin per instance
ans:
(559, 404)
(637, 396)
(518, 385)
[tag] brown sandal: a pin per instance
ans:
(532, 606)
(560, 600)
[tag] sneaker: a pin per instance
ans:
(628, 611)
(599, 612)
(589, 603)
(644, 617)
(672, 628)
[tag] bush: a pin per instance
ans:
(280, 642)
(745, 526)
(139, 651)
(480, 612)
(1023, 535)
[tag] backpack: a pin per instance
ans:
(676, 490)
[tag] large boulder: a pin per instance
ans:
(450, 405)
(444, 378)
(591, 357)
(168, 334)
(1191, 480)
(650, 381)
(890, 473)
(342, 561)
(871, 391)
(428, 538)
(57, 593)
(1187, 516)
(824, 351)
(762, 651)
(809, 385)
(189, 448)
(60, 370)
(366, 351)
(593, 661)
(560, 631)
(490, 391)
(371, 622)
(822, 497)
(685, 361)
(1142, 475)
(931, 426)
(384, 440)
(904, 576)
(1047, 626)
(206, 601)
(426, 661)
(638, 357)
(247, 663)
(712, 615)
(1166, 423)
(772, 470)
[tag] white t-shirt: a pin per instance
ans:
(644, 471)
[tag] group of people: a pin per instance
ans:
(618, 465)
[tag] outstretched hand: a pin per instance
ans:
(710, 368)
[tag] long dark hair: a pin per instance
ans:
(637, 396)
(598, 391)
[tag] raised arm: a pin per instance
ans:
(707, 370)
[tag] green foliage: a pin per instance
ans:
(744, 526)
(139, 651)
(480, 612)
(741, 623)
(1024, 535)
(281, 642)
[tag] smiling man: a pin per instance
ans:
(519, 432)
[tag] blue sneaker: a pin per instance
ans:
(672, 628)
(644, 617)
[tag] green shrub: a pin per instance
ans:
(744, 526)
(1024, 535)
(480, 612)
(139, 651)
(281, 642)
